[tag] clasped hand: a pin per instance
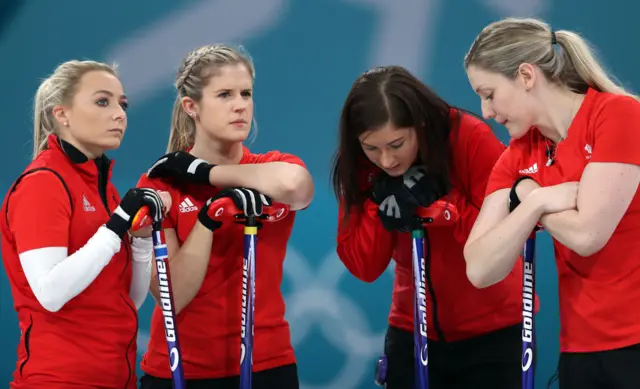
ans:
(145, 232)
(398, 197)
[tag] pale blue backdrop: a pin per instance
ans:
(307, 54)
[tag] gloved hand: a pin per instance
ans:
(398, 197)
(396, 211)
(182, 166)
(132, 202)
(425, 189)
(248, 201)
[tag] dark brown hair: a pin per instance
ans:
(383, 95)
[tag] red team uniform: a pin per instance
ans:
(209, 326)
(456, 309)
(599, 294)
(60, 201)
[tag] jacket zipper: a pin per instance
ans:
(134, 311)
(102, 191)
(102, 185)
(27, 334)
(436, 322)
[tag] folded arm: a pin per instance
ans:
(604, 194)
(497, 237)
(284, 182)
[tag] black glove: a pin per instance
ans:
(133, 201)
(423, 188)
(182, 166)
(396, 212)
(398, 197)
(249, 201)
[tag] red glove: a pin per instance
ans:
(223, 209)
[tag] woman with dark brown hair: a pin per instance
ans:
(402, 147)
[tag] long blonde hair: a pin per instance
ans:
(193, 75)
(59, 88)
(568, 61)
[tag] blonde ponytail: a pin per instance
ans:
(586, 65)
(502, 46)
(183, 129)
(42, 127)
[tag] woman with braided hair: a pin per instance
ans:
(212, 118)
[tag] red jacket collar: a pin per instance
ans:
(80, 161)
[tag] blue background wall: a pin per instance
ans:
(307, 54)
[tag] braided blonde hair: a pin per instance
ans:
(59, 88)
(194, 73)
(564, 57)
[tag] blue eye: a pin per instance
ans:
(104, 102)
(224, 94)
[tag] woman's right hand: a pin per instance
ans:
(557, 198)
(396, 205)
(182, 166)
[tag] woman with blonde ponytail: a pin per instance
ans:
(573, 167)
(77, 276)
(207, 160)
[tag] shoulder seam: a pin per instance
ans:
(23, 175)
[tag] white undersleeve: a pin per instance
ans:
(56, 277)
(142, 253)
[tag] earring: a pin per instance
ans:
(66, 124)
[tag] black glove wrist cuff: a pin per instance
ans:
(514, 201)
(202, 173)
(206, 221)
(118, 225)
